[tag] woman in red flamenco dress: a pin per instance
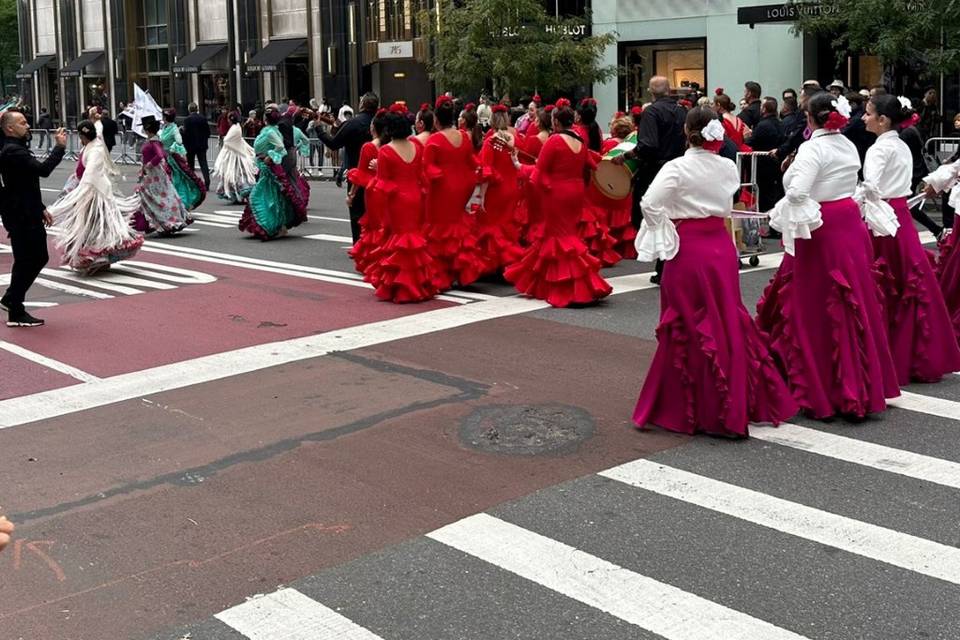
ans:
(528, 211)
(594, 226)
(615, 214)
(498, 232)
(450, 169)
(362, 179)
(558, 267)
(404, 270)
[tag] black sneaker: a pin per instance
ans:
(23, 319)
(655, 279)
(3, 305)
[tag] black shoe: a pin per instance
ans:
(4, 306)
(655, 279)
(23, 319)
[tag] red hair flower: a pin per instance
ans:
(425, 106)
(537, 98)
(588, 102)
(718, 91)
(911, 121)
(549, 108)
(686, 103)
(562, 103)
(398, 107)
(636, 110)
(713, 146)
(499, 108)
(835, 121)
(470, 107)
(442, 100)
(618, 115)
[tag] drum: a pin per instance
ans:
(615, 181)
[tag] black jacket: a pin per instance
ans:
(196, 133)
(856, 132)
(767, 134)
(911, 136)
(751, 114)
(110, 130)
(21, 204)
(660, 137)
(350, 137)
(44, 121)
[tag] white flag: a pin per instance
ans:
(143, 105)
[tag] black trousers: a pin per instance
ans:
(357, 209)
(948, 212)
(29, 245)
(201, 156)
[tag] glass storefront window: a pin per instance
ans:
(683, 62)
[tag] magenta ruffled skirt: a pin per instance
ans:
(824, 313)
(948, 273)
(712, 372)
(922, 339)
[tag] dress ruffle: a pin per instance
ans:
(795, 220)
(194, 195)
(498, 244)
(658, 242)
(298, 195)
(595, 233)
(404, 271)
(879, 216)
(456, 249)
(623, 233)
(560, 271)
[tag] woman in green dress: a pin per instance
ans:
(189, 186)
(278, 201)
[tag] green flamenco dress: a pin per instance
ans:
(188, 185)
(279, 200)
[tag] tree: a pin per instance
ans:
(513, 45)
(9, 44)
(919, 32)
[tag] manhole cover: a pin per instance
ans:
(525, 430)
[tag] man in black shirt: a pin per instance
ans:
(767, 136)
(23, 212)
(110, 130)
(350, 137)
(196, 140)
(660, 139)
(751, 113)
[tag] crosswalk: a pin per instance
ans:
(807, 530)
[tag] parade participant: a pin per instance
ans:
(424, 124)
(942, 180)
(362, 180)
(530, 117)
(160, 209)
(94, 223)
(235, 167)
(469, 123)
(528, 211)
(274, 205)
(196, 139)
(734, 127)
(827, 328)
(586, 125)
(498, 232)
(712, 372)
(450, 168)
(22, 210)
(557, 267)
(914, 141)
(615, 214)
(920, 330)
(189, 186)
(404, 270)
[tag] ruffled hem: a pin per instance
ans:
(193, 177)
(298, 196)
(595, 233)
(498, 247)
(366, 251)
(795, 221)
(560, 271)
(659, 242)
(404, 271)
(88, 260)
(457, 252)
(623, 233)
(248, 223)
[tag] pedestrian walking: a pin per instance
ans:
(44, 126)
(24, 216)
(196, 138)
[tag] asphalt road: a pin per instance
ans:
(223, 418)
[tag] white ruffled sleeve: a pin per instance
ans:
(796, 215)
(658, 237)
(943, 177)
(877, 213)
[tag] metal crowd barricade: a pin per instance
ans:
(938, 150)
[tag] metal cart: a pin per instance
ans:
(749, 221)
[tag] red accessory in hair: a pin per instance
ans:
(618, 114)
(910, 122)
(398, 107)
(718, 91)
(470, 107)
(835, 121)
(588, 102)
(635, 111)
(549, 108)
(713, 146)
(442, 100)
(425, 106)
(686, 103)
(499, 108)
(562, 102)
(537, 98)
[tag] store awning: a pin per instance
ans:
(76, 66)
(191, 62)
(26, 71)
(272, 56)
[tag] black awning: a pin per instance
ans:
(272, 56)
(76, 66)
(191, 62)
(26, 71)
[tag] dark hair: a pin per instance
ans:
(169, 115)
(272, 116)
(790, 104)
(544, 120)
(233, 118)
(855, 98)
(887, 105)
(879, 89)
(820, 107)
(564, 115)
(789, 90)
(445, 114)
(152, 127)
(87, 131)
(369, 102)
(753, 88)
(697, 119)
(379, 123)
(426, 117)
(588, 117)
(472, 124)
(724, 102)
(769, 105)
(396, 126)
(811, 90)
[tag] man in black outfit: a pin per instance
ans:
(23, 212)
(660, 139)
(767, 136)
(110, 130)
(196, 138)
(350, 137)
(856, 129)
(751, 113)
(44, 125)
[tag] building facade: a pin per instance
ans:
(77, 53)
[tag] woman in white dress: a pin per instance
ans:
(235, 168)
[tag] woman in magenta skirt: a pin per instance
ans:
(712, 372)
(922, 341)
(828, 330)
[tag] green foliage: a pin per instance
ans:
(9, 43)
(513, 44)
(921, 32)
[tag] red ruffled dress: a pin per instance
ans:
(558, 267)
(528, 213)
(498, 233)
(616, 241)
(364, 252)
(451, 176)
(404, 270)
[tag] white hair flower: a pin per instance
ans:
(713, 131)
(905, 102)
(842, 105)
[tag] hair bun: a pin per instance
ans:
(443, 101)
(719, 91)
(499, 108)
(562, 103)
